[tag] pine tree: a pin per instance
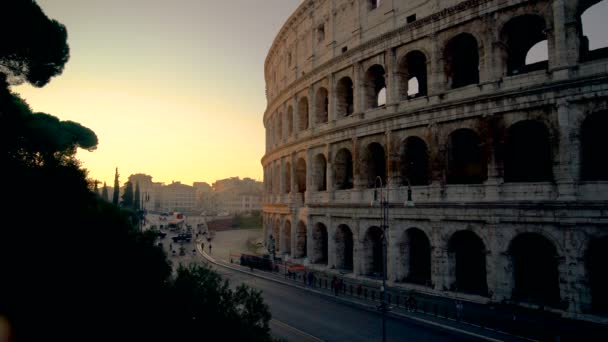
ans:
(127, 197)
(116, 189)
(104, 192)
(136, 201)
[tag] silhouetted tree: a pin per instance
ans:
(127, 196)
(104, 192)
(116, 189)
(34, 48)
(136, 200)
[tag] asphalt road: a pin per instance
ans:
(299, 315)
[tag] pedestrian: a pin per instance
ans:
(310, 279)
(209, 248)
(170, 246)
(458, 310)
(334, 285)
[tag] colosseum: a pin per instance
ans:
(479, 126)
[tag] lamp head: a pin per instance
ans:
(375, 201)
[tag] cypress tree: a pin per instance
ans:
(116, 189)
(136, 200)
(127, 197)
(104, 192)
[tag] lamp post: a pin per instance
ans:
(382, 199)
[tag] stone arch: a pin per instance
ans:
(415, 257)
(320, 172)
(594, 166)
(319, 244)
(344, 247)
(301, 175)
(593, 29)
(520, 35)
(412, 70)
(373, 258)
(528, 153)
(286, 238)
(467, 263)
(414, 162)
(287, 178)
(303, 114)
(289, 121)
(321, 106)
(596, 260)
(301, 242)
(535, 269)
(343, 169)
(374, 82)
(466, 161)
(373, 164)
(345, 97)
(462, 60)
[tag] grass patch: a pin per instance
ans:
(253, 221)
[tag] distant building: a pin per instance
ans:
(235, 195)
(177, 197)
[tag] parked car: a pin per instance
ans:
(187, 237)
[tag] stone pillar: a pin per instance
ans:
(294, 233)
(330, 171)
(331, 99)
(437, 79)
(309, 174)
(566, 46)
(439, 259)
(309, 239)
(392, 251)
(392, 96)
(331, 242)
(296, 116)
(311, 107)
(294, 183)
(358, 107)
(566, 170)
(358, 257)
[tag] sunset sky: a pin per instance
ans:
(173, 89)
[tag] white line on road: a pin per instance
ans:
(308, 337)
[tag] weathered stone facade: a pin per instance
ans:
(505, 159)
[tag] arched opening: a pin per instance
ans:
(322, 106)
(594, 166)
(467, 256)
(535, 273)
(412, 75)
(594, 44)
(301, 175)
(596, 260)
(320, 172)
(528, 153)
(343, 170)
(301, 240)
(373, 83)
(320, 246)
(286, 237)
(462, 61)
(466, 163)
(344, 248)
(287, 178)
(289, 121)
(415, 252)
(522, 34)
(303, 114)
(276, 236)
(382, 97)
(344, 96)
(414, 162)
(373, 164)
(373, 258)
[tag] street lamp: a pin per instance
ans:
(382, 199)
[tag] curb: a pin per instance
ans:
(354, 303)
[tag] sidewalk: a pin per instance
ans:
(437, 320)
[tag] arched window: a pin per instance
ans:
(535, 273)
(466, 163)
(462, 61)
(528, 153)
(596, 261)
(413, 75)
(343, 170)
(320, 173)
(287, 178)
(303, 114)
(320, 246)
(415, 253)
(594, 166)
(344, 95)
(525, 37)
(301, 240)
(373, 164)
(373, 259)
(289, 121)
(467, 258)
(301, 175)
(322, 106)
(415, 162)
(286, 237)
(344, 247)
(374, 83)
(594, 27)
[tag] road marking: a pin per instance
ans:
(296, 330)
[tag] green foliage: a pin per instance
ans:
(104, 193)
(116, 189)
(247, 221)
(136, 201)
(34, 48)
(127, 196)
